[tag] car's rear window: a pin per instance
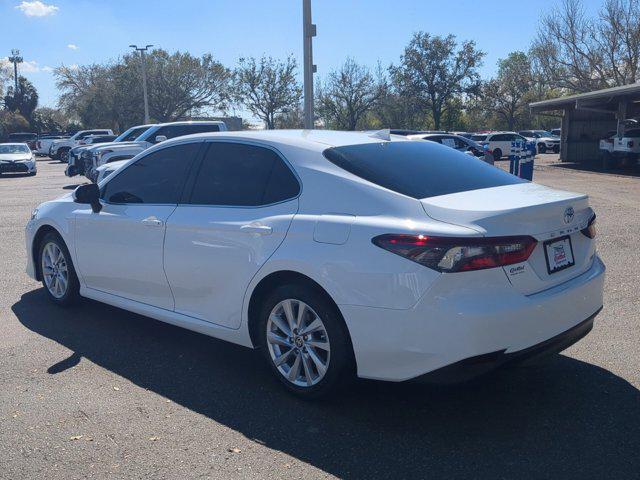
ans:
(418, 169)
(478, 138)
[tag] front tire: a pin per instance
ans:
(64, 155)
(542, 148)
(58, 274)
(305, 341)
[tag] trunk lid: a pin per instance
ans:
(524, 209)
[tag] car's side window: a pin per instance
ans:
(157, 178)
(236, 174)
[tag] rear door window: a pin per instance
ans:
(236, 174)
(418, 169)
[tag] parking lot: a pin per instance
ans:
(98, 392)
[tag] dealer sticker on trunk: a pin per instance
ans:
(559, 254)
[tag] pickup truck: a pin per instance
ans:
(79, 158)
(60, 148)
(155, 134)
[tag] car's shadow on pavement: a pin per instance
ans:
(560, 419)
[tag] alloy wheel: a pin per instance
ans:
(54, 270)
(298, 343)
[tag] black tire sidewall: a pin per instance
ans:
(72, 294)
(497, 154)
(341, 365)
(542, 148)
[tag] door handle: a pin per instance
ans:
(152, 222)
(259, 229)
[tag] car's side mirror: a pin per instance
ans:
(88, 194)
(160, 138)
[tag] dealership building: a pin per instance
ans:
(588, 117)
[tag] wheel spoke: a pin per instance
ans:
(280, 323)
(319, 344)
(295, 370)
(301, 309)
(315, 325)
(320, 366)
(306, 363)
(288, 313)
(278, 340)
(63, 283)
(283, 358)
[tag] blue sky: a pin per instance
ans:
(55, 32)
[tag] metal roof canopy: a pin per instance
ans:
(603, 101)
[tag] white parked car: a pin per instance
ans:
(498, 142)
(60, 148)
(17, 158)
(334, 252)
(153, 135)
(545, 141)
(629, 144)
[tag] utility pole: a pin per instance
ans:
(308, 32)
(15, 58)
(144, 78)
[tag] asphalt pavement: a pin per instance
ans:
(97, 392)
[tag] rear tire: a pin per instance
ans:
(310, 354)
(63, 155)
(542, 148)
(497, 154)
(57, 271)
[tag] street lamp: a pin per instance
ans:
(144, 78)
(308, 32)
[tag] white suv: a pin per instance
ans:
(544, 140)
(60, 148)
(498, 142)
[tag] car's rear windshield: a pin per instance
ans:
(418, 169)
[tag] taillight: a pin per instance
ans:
(458, 254)
(590, 230)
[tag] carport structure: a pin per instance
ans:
(587, 117)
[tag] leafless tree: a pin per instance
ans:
(268, 87)
(347, 95)
(579, 53)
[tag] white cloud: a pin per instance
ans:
(28, 66)
(47, 68)
(73, 46)
(37, 9)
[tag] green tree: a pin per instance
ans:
(434, 70)
(110, 95)
(268, 88)
(11, 122)
(347, 95)
(24, 101)
(509, 93)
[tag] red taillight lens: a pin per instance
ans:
(458, 254)
(590, 230)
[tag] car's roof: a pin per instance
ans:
(15, 143)
(315, 139)
(188, 122)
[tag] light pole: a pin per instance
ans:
(144, 78)
(308, 32)
(15, 58)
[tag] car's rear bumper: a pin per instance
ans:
(479, 365)
(467, 315)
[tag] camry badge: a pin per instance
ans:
(568, 215)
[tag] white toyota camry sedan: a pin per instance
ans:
(336, 253)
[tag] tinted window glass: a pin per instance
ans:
(242, 175)
(155, 178)
(635, 132)
(172, 131)
(479, 138)
(418, 169)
